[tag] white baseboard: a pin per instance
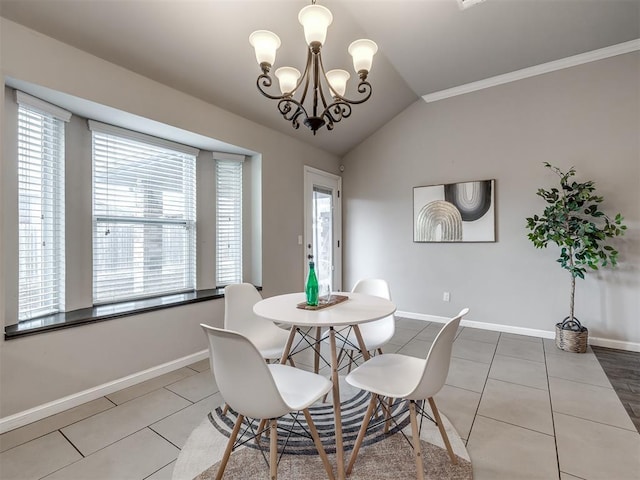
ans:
(51, 408)
(532, 332)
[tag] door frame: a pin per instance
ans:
(311, 173)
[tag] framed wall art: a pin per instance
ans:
(455, 212)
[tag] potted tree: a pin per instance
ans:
(573, 221)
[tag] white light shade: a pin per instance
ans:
(362, 52)
(288, 78)
(338, 81)
(315, 19)
(266, 43)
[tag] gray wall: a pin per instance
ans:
(43, 368)
(587, 116)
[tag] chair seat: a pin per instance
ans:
(289, 379)
(389, 375)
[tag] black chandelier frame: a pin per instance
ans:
(292, 109)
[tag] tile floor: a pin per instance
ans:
(525, 409)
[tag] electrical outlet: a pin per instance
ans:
(446, 296)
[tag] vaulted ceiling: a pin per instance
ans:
(201, 46)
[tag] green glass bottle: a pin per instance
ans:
(312, 286)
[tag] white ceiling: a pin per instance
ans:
(201, 46)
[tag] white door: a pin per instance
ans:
(323, 227)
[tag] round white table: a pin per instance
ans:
(359, 308)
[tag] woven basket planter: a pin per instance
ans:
(571, 336)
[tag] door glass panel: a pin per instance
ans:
(323, 236)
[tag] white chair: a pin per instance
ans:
(401, 376)
(374, 334)
(268, 338)
(258, 390)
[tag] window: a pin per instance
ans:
(144, 215)
(228, 221)
(41, 207)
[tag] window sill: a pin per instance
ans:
(108, 312)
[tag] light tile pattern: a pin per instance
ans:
(138, 456)
(525, 409)
(471, 350)
(500, 450)
(149, 386)
(165, 473)
(38, 457)
(518, 405)
(588, 449)
(599, 404)
(520, 371)
(526, 350)
(177, 428)
(95, 433)
(54, 422)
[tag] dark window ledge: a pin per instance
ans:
(101, 313)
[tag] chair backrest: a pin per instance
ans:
(436, 367)
(385, 327)
(239, 300)
(373, 286)
(243, 377)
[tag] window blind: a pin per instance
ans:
(41, 258)
(228, 222)
(144, 214)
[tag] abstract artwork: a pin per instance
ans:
(455, 212)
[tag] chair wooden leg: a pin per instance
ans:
(318, 443)
(273, 450)
(263, 422)
(225, 409)
(361, 433)
(445, 438)
(387, 423)
(229, 449)
(417, 451)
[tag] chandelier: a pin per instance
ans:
(314, 106)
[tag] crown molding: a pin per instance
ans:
(600, 54)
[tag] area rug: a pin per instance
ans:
(383, 456)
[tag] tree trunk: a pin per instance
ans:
(573, 294)
(573, 286)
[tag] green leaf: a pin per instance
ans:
(572, 221)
